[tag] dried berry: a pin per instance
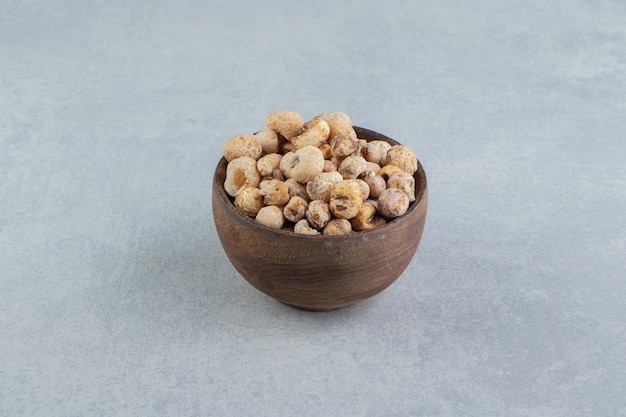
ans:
(384, 147)
(329, 165)
(296, 188)
(388, 170)
(326, 151)
(363, 187)
(370, 167)
(371, 153)
(287, 163)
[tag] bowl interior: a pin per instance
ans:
(362, 133)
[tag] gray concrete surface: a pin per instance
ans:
(117, 299)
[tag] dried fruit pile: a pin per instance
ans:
(317, 176)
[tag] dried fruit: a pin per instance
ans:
(275, 193)
(393, 203)
(296, 188)
(352, 166)
(315, 134)
(242, 145)
(308, 161)
(241, 172)
(367, 218)
(345, 199)
(384, 147)
(295, 209)
(388, 170)
(322, 184)
(371, 153)
(271, 216)
(344, 145)
(267, 164)
(402, 157)
(376, 184)
(319, 176)
(269, 140)
(288, 123)
(249, 201)
(318, 214)
(304, 228)
(339, 123)
(403, 181)
(337, 227)
(287, 163)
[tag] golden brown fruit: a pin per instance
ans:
(242, 145)
(345, 199)
(241, 172)
(288, 123)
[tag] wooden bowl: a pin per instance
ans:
(319, 272)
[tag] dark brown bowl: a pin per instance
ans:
(319, 272)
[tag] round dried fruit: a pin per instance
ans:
(271, 216)
(295, 210)
(288, 123)
(367, 218)
(307, 163)
(337, 227)
(403, 181)
(345, 199)
(249, 201)
(242, 145)
(241, 172)
(318, 214)
(393, 203)
(304, 228)
(275, 193)
(402, 157)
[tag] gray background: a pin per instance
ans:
(117, 299)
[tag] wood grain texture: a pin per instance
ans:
(319, 272)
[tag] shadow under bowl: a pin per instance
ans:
(319, 273)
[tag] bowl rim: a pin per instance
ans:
(420, 199)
